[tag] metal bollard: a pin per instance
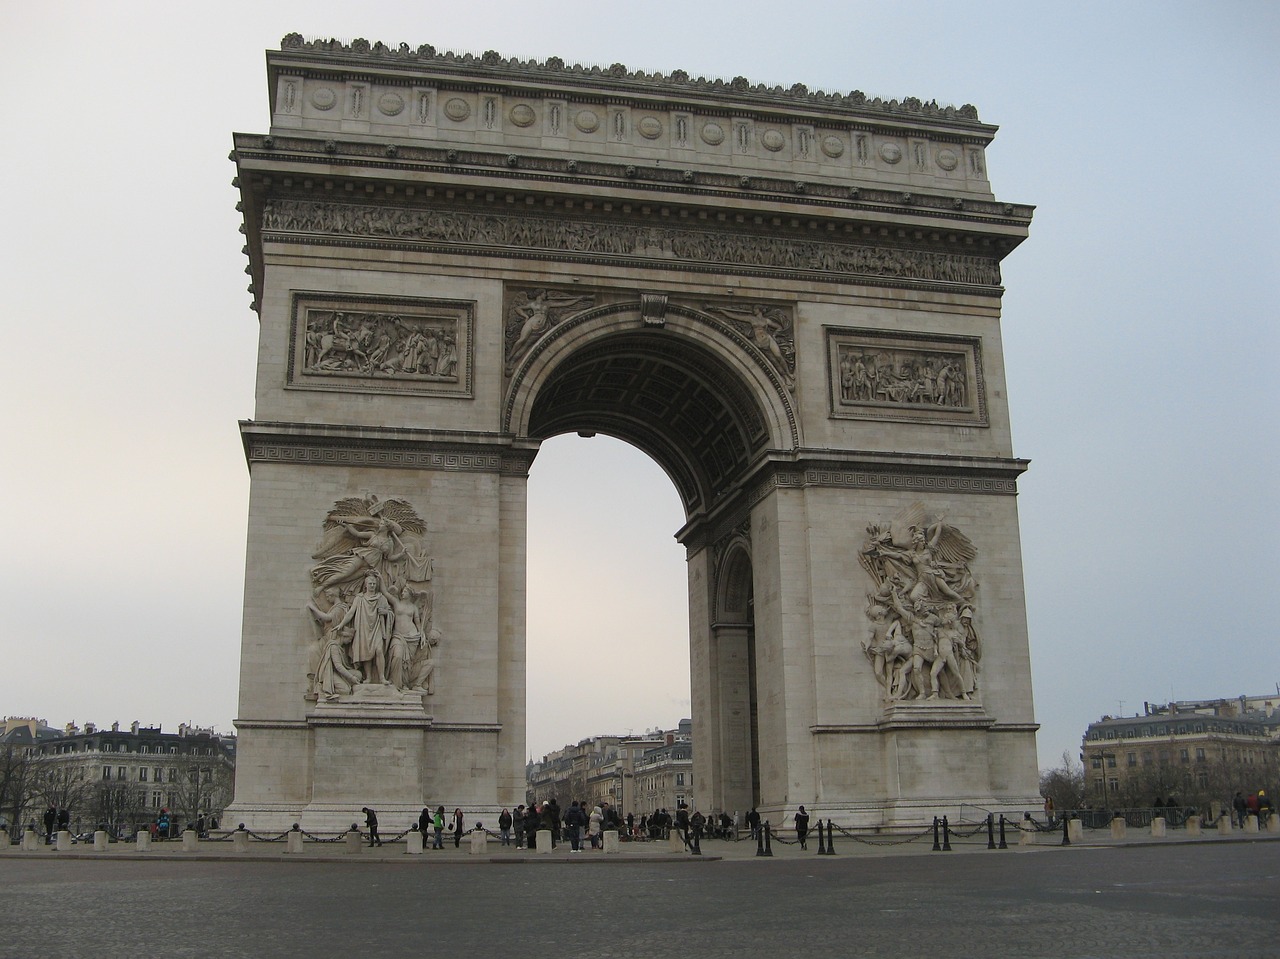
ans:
(695, 847)
(1003, 844)
(946, 835)
(1066, 840)
(937, 847)
(768, 839)
(759, 841)
(831, 839)
(991, 831)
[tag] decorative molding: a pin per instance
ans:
(676, 248)
(322, 445)
(905, 377)
(381, 344)
(555, 68)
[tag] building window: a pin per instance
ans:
(173, 774)
(142, 774)
(106, 772)
(1114, 784)
(1182, 754)
(1097, 762)
(1133, 759)
(679, 779)
(121, 775)
(1199, 754)
(1111, 761)
(1146, 757)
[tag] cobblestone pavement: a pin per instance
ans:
(1162, 901)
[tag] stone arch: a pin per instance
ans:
(691, 392)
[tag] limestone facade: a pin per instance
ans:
(790, 300)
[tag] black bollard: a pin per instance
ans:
(759, 841)
(695, 847)
(831, 839)
(768, 840)
(991, 831)
(1066, 840)
(937, 847)
(946, 835)
(1003, 844)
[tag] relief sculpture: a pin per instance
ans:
(380, 344)
(372, 601)
(770, 331)
(897, 377)
(923, 643)
(532, 314)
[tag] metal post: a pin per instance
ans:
(768, 839)
(946, 835)
(1003, 844)
(991, 831)
(831, 839)
(937, 847)
(1066, 840)
(759, 840)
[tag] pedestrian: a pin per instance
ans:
(200, 826)
(574, 820)
(698, 822)
(64, 820)
(437, 825)
(517, 826)
(802, 828)
(1264, 808)
(595, 828)
(371, 823)
(753, 823)
(457, 828)
(1048, 810)
(50, 820)
(1238, 810)
(682, 823)
(504, 827)
(532, 820)
(555, 821)
(424, 823)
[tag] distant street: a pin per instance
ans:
(1162, 902)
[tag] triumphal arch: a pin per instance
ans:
(789, 299)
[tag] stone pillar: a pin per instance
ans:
(1026, 833)
(544, 842)
(353, 841)
(613, 844)
(64, 838)
(1250, 823)
(1075, 830)
(293, 842)
(191, 840)
(142, 839)
(1273, 823)
(479, 840)
(1193, 826)
(1118, 827)
(1224, 825)
(674, 842)
(30, 841)
(100, 840)
(412, 843)
(240, 841)
(1158, 827)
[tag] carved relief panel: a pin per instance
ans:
(381, 344)
(905, 377)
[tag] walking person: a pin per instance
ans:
(517, 826)
(371, 823)
(753, 823)
(574, 820)
(802, 828)
(1239, 810)
(504, 827)
(595, 828)
(50, 820)
(424, 823)
(457, 828)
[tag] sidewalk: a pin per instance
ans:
(713, 850)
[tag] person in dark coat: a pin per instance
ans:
(457, 828)
(424, 822)
(753, 821)
(802, 827)
(50, 820)
(371, 823)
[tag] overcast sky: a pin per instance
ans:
(1140, 336)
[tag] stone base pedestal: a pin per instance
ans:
(1250, 823)
(191, 840)
(353, 843)
(1119, 828)
(543, 842)
(1193, 826)
(413, 843)
(1273, 823)
(479, 842)
(1224, 825)
(100, 840)
(1158, 827)
(1075, 830)
(64, 839)
(611, 841)
(239, 841)
(293, 842)
(30, 841)
(1026, 833)
(142, 841)
(674, 842)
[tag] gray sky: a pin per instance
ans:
(1138, 341)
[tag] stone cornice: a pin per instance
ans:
(314, 444)
(492, 66)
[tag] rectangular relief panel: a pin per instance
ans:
(905, 377)
(381, 344)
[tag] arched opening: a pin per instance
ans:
(607, 628)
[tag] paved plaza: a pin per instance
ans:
(1166, 900)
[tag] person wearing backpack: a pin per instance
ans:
(437, 827)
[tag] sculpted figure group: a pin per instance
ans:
(379, 344)
(371, 603)
(923, 643)
(892, 377)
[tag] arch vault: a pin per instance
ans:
(790, 301)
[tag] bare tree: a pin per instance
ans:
(1065, 784)
(17, 785)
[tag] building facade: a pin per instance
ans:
(1194, 751)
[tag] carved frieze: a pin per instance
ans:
(923, 641)
(905, 377)
(682, 247)
(381, 344)
(530, 314)
(772, 332)
(372, 603)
